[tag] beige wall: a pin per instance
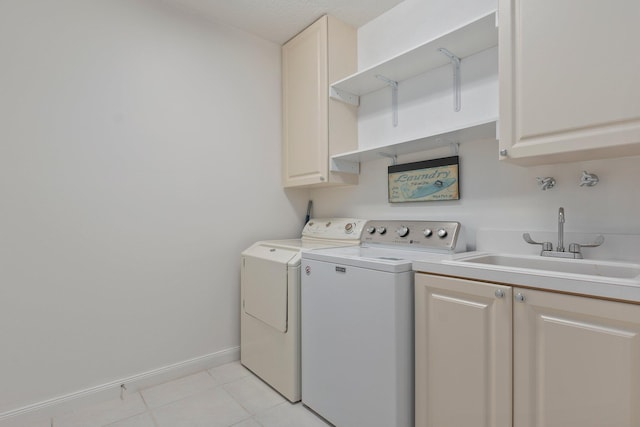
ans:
(139, 154)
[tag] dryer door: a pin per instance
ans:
(264, 284)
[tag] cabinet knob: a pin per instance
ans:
(499, 293)
(504, 152)
(520, 297)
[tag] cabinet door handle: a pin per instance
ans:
(520, 297)
(499, 293)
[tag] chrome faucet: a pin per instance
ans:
(560, 247)
(574, 248)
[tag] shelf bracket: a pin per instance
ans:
(394, 96)
(344, 96)
(345, 166)
(455, 61)
(453, 146)
(393, 157)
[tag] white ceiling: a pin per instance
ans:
(279, 20)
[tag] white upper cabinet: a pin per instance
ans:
(314, 126)
(569, 80)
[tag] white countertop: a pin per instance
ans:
(598, 286)
(626, 289)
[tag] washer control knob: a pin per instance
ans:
(370, 229)
(442, 233)
(427, 232)
(381, 230)
(402, 231)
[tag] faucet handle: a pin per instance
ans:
(589, 179)
(546, 183)
(575, 247)
(546, 246)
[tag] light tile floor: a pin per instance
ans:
(225, 396)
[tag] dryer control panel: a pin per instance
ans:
(423, 235)
(334, 229)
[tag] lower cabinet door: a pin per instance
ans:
(463, 353)
(576, 361)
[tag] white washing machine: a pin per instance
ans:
(270, 300)
(357, 322)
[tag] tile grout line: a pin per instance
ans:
(153, 418)
(131, 416)
(188, 396)
(149, 411)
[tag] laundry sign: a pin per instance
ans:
(424, 181)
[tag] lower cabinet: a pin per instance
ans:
(463, 353)
(576, 360)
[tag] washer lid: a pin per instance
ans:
(278, 254)
(307, 244)
(356, 256)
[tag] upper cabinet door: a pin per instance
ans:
(305, 92)
(315, 127)
(569, 85)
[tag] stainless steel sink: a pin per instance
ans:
(571, 266)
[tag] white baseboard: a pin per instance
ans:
(60, 404)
